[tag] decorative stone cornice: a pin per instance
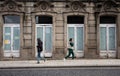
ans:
(76, 6)
(42, 6)
(107, 6)
(10, 6)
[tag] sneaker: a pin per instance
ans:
(64, 59)
(38, 62)
(45, 60)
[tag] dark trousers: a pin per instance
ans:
(70, 53)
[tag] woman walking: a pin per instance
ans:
(70, 49)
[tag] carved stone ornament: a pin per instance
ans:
(77, 6)
(41, 6)
(107, 6)
(44, 6)
(11, 5)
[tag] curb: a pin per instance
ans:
(82, 66)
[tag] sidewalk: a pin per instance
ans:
(61, 63)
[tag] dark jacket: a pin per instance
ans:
(40, 46)
(71, 44)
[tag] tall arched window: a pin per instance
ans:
(44, 32)
(75, 26)
(108, 36)
(11, 36)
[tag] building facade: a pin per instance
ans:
(93, 24)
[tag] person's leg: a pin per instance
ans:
(38, 57)
(68, 55)
(73, 56)
(43, 58)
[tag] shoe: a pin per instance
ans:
(73, 58)
(38, 62)
(44, 60)
(64, 59)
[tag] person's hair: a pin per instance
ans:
(38, 39)
(70, 39)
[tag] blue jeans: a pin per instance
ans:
(38, 56)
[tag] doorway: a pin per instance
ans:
(44, 32)
(11, 36)
(107, 37)
(75, 30)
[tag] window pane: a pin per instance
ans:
(48, 39)
(79, 38)
(16, 38)
(40, 33)
(107, 20)
(103, 45)
(43, 19)
(112, 38)
(7, 38)
(11, 19)
(75, 19)
(70, 33)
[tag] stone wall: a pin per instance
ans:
(59, 11)
(92, 41)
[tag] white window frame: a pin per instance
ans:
(75, 35)
(43, 52)
(108, 52)
(10, 53)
